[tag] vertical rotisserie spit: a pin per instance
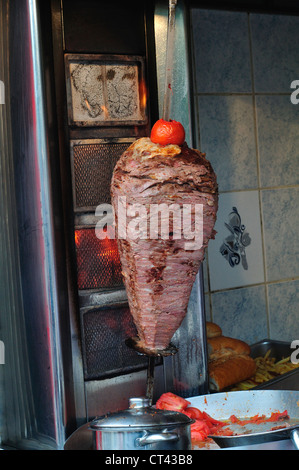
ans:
(165, 200)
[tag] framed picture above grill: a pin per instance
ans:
(105, 90)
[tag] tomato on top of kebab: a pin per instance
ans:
(168, 132)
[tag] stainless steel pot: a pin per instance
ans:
(142, 427)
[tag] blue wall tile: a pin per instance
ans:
(221, 48)
(227, 137)
(250, 133)
(275, 41)
(241, 313)
(280, 208)
(278, 140)
(239, 235)
(283, 308)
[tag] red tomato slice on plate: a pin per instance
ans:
(170, 401)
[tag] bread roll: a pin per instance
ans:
(225, 373)
(223, 347)
(213, 329)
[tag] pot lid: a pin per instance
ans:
(139, 415)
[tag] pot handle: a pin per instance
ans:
(153, 438)
(295, 437)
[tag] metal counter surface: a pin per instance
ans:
(82, 439)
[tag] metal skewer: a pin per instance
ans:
(169, 60)
(133, 343)
(150, 378)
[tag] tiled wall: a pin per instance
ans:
(247, 125)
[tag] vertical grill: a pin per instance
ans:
(106, 97)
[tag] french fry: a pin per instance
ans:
(267, 368)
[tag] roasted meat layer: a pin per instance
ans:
(159, 265)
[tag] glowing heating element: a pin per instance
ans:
(98, 263)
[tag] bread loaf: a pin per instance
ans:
(224, 373)
(222, 347)
(213, 330)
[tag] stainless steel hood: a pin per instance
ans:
(33, 393)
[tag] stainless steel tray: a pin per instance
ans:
(279, 350)
(250, 403)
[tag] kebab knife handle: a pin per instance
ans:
(169, 60)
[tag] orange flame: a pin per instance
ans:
(87, 104)
(143, 94)
(106, 113)
(98, 261)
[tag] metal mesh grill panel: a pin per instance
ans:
(92, 167)
(98, 263)
(104, 350)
